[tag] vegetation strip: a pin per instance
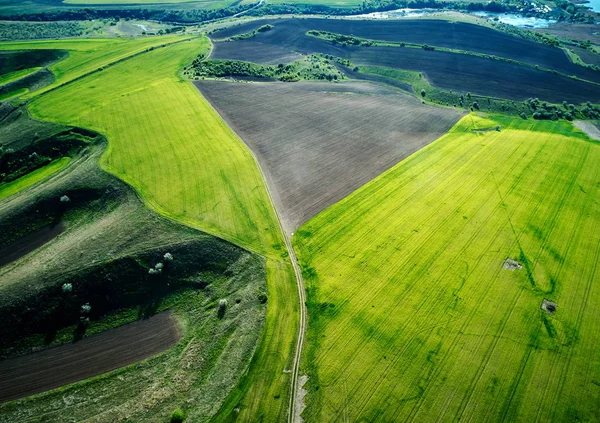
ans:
(34, 177)
(12, 76)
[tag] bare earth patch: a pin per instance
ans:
(549, 306)
(589, 128)
(300, 405)
(512, 265)
(29, 243)
(318, 142)
(55, 367)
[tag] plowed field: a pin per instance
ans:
(318, 142)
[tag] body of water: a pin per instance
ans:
(507, 18)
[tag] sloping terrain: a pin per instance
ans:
(92, 268)
(182, 159)
(319, 141)
(429, 287)
(448, 70)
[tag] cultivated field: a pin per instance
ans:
(357, 131)
(87, 55)
(416, 313)
(102, 243)
(49, 369)
(156, 141)
(453, 71)
(439, 33)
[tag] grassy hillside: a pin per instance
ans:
(170, 145)
(166, 141)
(413, 316)
(87, 55)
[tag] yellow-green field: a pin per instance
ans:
(184, 161)
(412, 315)
(87, 55)
(31, 178)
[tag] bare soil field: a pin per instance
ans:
(356, 131)
(451, 71)
(574, 31)
(29, 243)
(587, 56)
(455, 35)
(45, 370)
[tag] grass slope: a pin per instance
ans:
(412, 315)
(160, 133)
(37, 175)
(87, 55)
(171, 146)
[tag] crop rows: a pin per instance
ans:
(413, 316)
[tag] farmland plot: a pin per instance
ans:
(447, 70)
(427, 286)
(319, 142)
(440, 33)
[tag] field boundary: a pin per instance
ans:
(299, 281)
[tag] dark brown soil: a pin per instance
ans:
(318, 142)
(587, 56)
(451, 71)
(28, 243)
(574, 31)
(55, 367)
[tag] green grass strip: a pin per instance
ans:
(13, 76)
(37, 175)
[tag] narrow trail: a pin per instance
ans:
(297, 273)
(301, 297)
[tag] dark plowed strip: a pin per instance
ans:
(55, 367)
(28, 243)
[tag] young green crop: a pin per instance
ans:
(413, 316)
(87, 55)
(167, 142)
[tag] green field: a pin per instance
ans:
(412, 316)
(169, 144)
(37, 175)
(13, 76)
(87, 55)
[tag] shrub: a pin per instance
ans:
(222, 308)
(423, 93)
(177, 416)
